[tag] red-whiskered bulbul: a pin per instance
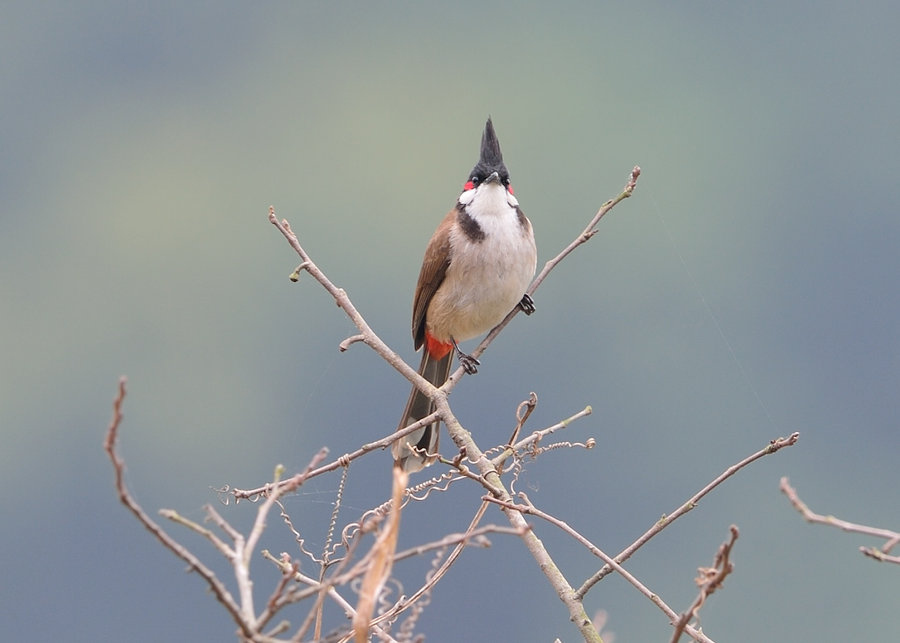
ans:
(477, 267)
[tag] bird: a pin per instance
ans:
(477, 268)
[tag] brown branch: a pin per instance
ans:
(654, 598)
(276, 598)
(466, 539)
(471, 538)
(381, 561)
(882, 554)
(590, 230)
(215, 585)
(451, 558)
(537, 436)
(343, 461)
(583, 238)
(709, 579)
(665, 521)
(523, 412)
(489, 476)
(490, 480)
(366, 334)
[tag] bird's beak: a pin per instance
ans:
(494, 177)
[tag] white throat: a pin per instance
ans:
(487, 200)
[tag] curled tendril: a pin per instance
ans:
(433, 484)
(589, 444)
(301, 543)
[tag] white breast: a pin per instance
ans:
(487, 277)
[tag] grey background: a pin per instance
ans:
(747, 290)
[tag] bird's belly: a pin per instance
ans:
(483, 283)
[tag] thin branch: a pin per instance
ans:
(523, 412)
(276, 598)
(654, 598)
(490, 480)
(590, 230)
(343, 461)
(709, 579)
(881, 554)
(366, 333)
(347, 343)
(218, 589)
(451, 558)
(316, 587)
(341, 579)
(665, 521)
(381, 560)
(216, 542)
(537, 436)
(489, 475)
(244, 548)
(583, 238)
(220, 522)
(368, 336)
(472, 538)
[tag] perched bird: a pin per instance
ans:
(477, 266)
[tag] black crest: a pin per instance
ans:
(491, 157)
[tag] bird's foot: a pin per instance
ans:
(470, 364)
(527, 304)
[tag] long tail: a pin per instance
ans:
(425, 440)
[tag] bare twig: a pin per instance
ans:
(468, 538)
(215, 585)
(523, 412)
(471, 538)
(590, 230)
(343, 461)
(881, 554)
(216, 542)
(665, 521)
(490, 480)
(240, 553)
(709, 580)
(382, 560)
(584, 237)
(376, 565)
(654, 598)
(439, 573)
(276, 598)
(537, 436)
(366, 334)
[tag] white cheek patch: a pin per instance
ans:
(466, 197)
(512, 200)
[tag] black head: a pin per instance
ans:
(491, 158)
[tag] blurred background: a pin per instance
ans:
(746, 291)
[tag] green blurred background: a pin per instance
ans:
(746, 291)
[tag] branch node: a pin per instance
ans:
(347, 343)
(295, 276)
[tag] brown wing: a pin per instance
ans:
(434, 268)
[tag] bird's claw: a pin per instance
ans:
(470, 364)
(527, 304)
